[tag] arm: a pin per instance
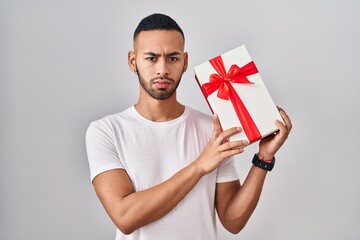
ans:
(131, 210)
(235, 203)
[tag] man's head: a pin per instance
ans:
(158, 57)
(157, 21)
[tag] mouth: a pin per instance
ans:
(162, 83)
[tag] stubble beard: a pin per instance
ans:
(158, 93)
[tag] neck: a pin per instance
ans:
(159, 110)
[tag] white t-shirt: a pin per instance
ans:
(152, 152)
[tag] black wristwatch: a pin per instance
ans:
(268, 166)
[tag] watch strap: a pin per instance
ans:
(268, 166)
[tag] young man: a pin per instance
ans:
(160, 168)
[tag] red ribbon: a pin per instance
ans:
(221, 82)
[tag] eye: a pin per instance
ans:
(173, 59)
(151, 59)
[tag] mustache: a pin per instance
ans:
(162, 78)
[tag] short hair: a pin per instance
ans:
(157, 21)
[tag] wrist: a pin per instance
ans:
(265, 157)
(265, 164)
(197, 169)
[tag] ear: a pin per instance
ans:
(132, 61)
(185, 61)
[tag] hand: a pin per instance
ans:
(269, 145)
(218, 149)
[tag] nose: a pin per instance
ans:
(162, 68)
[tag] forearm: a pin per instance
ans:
(235, 204)
(141, 208)
(243, 202)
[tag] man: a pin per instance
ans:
(160, 168)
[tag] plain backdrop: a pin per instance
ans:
(63, 64)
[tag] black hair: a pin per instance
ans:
(157, 21)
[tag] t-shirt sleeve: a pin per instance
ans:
(101, 150)
(227, 171)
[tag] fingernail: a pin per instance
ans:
(245, 142)
(238, 128)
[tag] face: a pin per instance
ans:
(159, 60)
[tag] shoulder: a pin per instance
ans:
(200, 120)
(109, 122)
(199, 116)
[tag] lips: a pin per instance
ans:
(162, 84)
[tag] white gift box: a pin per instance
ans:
(234, 73)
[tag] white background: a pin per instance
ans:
(63, 64)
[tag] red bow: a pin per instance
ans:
(221, 82)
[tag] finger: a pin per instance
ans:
(216, 127)
(234, 144)
(228, 133)
(283, 133)
(230, 153)
(286, 119)
(281, 126)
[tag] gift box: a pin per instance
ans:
(234, 90)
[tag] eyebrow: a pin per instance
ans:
(159, 55)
